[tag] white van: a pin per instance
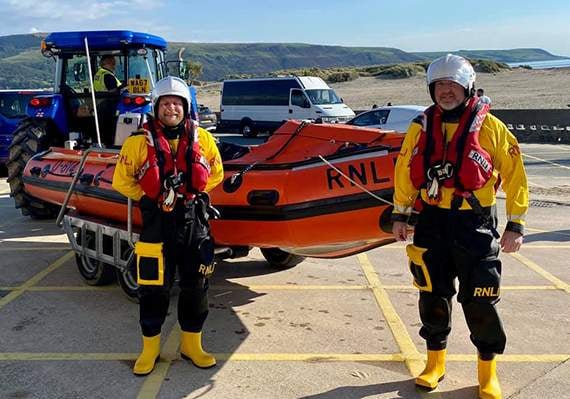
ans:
(254, 105)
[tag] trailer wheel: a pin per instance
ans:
(280, 259)
(30, 138)
(246, 129)
(93, 271)
(127, 280)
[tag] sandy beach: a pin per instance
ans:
(514, 89)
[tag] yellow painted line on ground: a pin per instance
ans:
(62, 288)
(35, 279)
(24, 249)
(310, 357)
(168, 353)
(405, 343)
(74, 288)
(545, 161)
(277, 357)
(26, 356)
(285, 287)
(505, 288)
(539, 270)
(265, 288)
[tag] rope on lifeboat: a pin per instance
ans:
(354, 182)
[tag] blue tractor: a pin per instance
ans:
(75, 114)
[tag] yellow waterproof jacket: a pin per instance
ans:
(134, 154)
(505, 153)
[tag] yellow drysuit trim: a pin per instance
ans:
(416, 255)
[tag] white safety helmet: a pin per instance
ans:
(454, 68)
(171, 86)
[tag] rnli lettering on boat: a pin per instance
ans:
(363, 173)
(65, 167)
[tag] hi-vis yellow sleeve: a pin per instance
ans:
(212, 154)
(133, 154)
(509, 162)
(404, 191)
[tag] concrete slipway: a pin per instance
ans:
(345, 328)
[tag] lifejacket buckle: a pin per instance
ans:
(440, 172)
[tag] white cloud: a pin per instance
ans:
(34, 30)
(76, 10)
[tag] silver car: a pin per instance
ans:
(392, 117)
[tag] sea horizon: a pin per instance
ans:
(563, 63)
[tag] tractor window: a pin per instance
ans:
(77, 74)
(142, 71)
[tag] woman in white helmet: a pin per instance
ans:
(165, 166)
(450, 162)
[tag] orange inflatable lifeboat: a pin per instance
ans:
(315, 190)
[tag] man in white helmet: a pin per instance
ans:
(452, 158)
(167, 166)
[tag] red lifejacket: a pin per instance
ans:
(467, 166)
(161, 163)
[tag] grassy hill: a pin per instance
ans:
(22, 65)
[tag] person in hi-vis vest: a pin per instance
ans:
(105, 79)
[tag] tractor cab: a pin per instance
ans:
(78, 107)
(79, 113)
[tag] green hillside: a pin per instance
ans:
(22, 65)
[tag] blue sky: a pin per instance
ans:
(407, 25)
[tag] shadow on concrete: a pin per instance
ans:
(400, 389)
(554, 236)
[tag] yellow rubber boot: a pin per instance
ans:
(489, 387)
(149, 355)
(191, 349)
(434, 371)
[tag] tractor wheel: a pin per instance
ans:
(280, 259)
(30, 138)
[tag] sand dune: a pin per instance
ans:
(515, 89)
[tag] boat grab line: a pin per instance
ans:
(355, 183)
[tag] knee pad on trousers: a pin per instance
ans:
(486, 328)
(435, 313)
